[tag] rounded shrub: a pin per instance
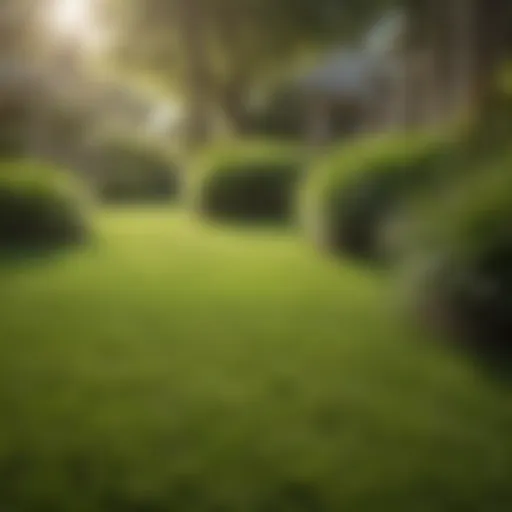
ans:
(349, 197)
(247, 181)
(459, 262)
(40, 206)
(127, 169)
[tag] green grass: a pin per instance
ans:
(180, 367)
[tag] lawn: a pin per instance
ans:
(172, 366)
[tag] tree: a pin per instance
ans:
(197, 77)
(215, 51)
(468, 40)
(16, 44)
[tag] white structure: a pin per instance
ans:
(367, 84)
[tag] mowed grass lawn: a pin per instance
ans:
(178, 367)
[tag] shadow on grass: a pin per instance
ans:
(489, 355)
(25, 255)
(489, 348)
(493, 359)
(495, 364)
(247, 224)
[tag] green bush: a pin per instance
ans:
(459, 264)
(348, 198)
(39, 206)
(129, 170)
(247, 181)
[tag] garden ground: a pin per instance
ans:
(179, 366)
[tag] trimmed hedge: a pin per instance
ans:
(40, 206)
(459, 265)
(246, 181)
(349, 197)
(127, 169)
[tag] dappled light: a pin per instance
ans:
(75, 22)
(71, 17)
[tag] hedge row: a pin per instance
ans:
(402, 195)
(429, 203)
(342, 199)
(459, 260)
(255, 180)
(40, 206)
(127, 169)
(351, 195)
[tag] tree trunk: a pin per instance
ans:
(197, 73)
(233, 103)
(464, 54)
(229, 17)
(416, 61)
(466, 40)
(483, 41)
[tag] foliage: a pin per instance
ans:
(460, 259)
(351, 194)
(39, 206)
(492, 131)
(215, 52)
(130, 169)
(251, 180)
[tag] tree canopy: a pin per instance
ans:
(214, 51)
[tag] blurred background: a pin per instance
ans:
(255, 255)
